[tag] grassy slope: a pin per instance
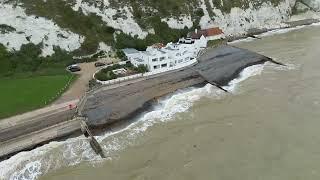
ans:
(19, 95)
(27, 81)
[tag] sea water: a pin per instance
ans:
(267, 127)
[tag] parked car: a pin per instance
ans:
(98, 64)
(74, 68)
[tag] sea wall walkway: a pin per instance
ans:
(220, 65)
(121, 101)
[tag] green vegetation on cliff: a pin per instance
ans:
(163, 34)
(147, 13)
(95, 30)
(91, 26)
(28, 62)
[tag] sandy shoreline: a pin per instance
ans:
(116, 106)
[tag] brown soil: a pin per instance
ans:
(80, 86)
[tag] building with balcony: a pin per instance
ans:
(159, 57)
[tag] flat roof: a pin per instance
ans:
(147, 53)
(130, 51)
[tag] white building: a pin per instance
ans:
(173, 54)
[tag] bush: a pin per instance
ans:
(199, 12)
(141, 69)
(120, 54)
(216, 43)
(28, 62)
(105, 76)
(6, 29)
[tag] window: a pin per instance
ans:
(162, 58)
(180, 60)
(186, 59)
(154, 59)
(163, 65)
(155, 67)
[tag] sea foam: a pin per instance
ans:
(30, 165)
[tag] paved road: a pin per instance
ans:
(80, 86)
(30, 140)
(35, 120)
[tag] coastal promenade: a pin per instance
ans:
(29, 129)
(122, 101)
(32, 121)
(217, 66)
(26, 130)
(31, 140)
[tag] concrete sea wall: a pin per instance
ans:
(218, 66)
(118, 103)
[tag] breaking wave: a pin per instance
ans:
(32, 164)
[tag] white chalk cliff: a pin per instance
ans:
(30, 28)
(313, 4)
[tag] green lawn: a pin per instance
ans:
(18, 95)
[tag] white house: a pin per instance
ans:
(160, 57)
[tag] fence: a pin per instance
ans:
(136, 76)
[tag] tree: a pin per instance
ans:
(120, 54)
(142, 68)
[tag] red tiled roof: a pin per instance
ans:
(207, 32)
(214, 31)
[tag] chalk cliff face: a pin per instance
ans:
(233, 20)
(239, 20)
(313, 4)
(86, 24)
